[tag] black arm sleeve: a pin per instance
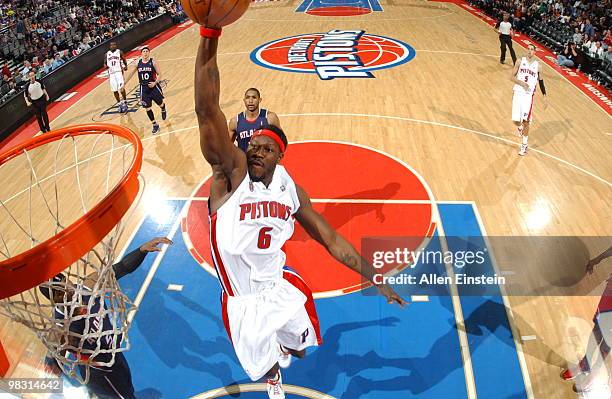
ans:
(542, 86)
(129, 263)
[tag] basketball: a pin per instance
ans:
(215, 13)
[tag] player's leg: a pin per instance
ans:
(146, 100)
(274, 383)
(116, 85)
(595, 356)
(302, 330)
(526, 116)
(151, 116)
(120, 84)
(158, 97)
(516, 113)
(124, 99)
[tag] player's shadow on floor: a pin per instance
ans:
(178, 343)
(417, 374)
(336, 214)
(172, 158)
(500, 177)
(545, 132)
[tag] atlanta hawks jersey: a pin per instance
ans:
(247, 233)
(113, 61)
(527, 72)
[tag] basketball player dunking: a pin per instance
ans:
(115, 63)
(149, 76)
(267, 308)
(525, 75)
(243, 125)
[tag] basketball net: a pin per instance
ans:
(55, 183)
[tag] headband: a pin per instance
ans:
(273, 136)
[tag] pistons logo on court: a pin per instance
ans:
(335, 54)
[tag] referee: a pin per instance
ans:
(504, 28)
(36, 95)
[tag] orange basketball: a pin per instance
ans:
(215, 13)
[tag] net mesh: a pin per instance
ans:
(80, 315)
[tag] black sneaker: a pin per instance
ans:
(155, 128)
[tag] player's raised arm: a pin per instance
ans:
(317, 227)
(215, 142)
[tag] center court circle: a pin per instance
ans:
(360, 191)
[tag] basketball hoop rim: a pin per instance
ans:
(40, 263)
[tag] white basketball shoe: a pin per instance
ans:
(275, 387)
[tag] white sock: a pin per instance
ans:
(525, 138)
(275, 379)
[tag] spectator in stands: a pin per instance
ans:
(588, 28)
(568, 56)
(57, 61)
(27, 67)
(12, 85)
(608, 56)
(596, 50)
(577, 36)
(47, 66)
(6, 73)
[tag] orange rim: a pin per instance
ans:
(42, 262)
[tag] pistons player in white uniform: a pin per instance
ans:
(268, 310)
(526, 75)
(115, 63)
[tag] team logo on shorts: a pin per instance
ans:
(335, 54)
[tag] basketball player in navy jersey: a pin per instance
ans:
(149, 76)
(251, 119)
(104, 381)
(268, 310)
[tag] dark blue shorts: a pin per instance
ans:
(148, 95)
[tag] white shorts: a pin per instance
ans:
(256, 324)
(116, 81)
(522, 106)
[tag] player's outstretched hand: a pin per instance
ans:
(152, 246)
(392, 296)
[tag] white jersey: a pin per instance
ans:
(248, 231)
(527, 72)
(113, 61)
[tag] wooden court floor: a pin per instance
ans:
(446, 113)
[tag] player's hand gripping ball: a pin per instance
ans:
(215, 13)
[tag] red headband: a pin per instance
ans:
(272, 135)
